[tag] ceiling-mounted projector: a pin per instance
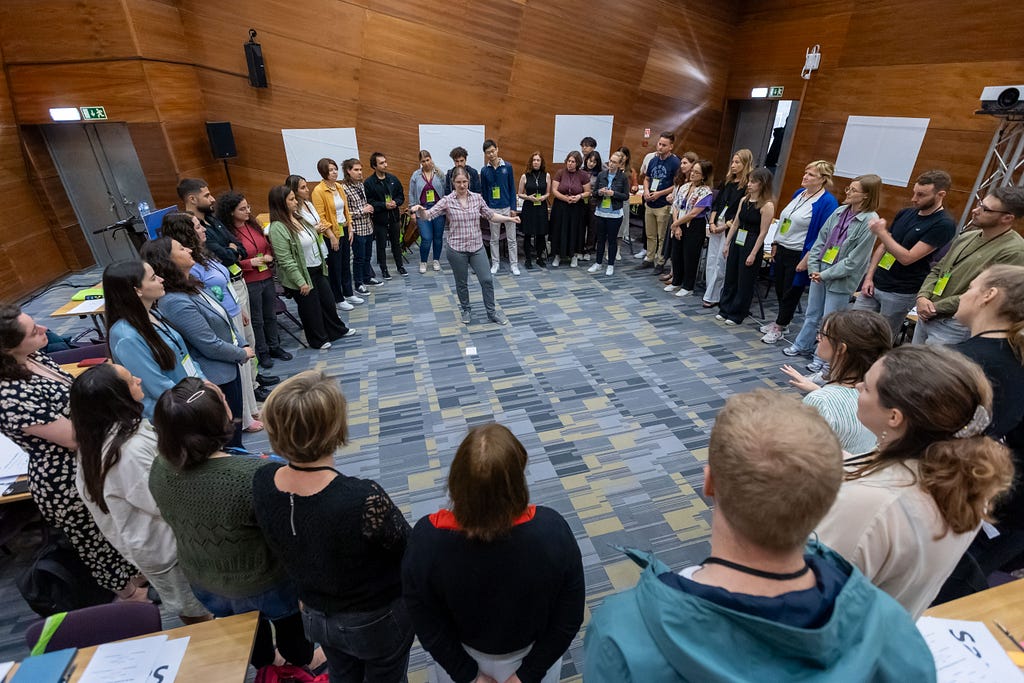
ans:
(1000, 100)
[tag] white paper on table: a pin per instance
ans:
(166, 665)
(13, 460)
(470, 350)
(5, 669)
(87, 306)
(966, 652)
(129, 661)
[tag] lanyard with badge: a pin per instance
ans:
(219, 310)
(536, 185)
(888, 260)
(940, 284)
(606, 201)
(741, 233)
(839, 235)
(787, 221)
(186, 358)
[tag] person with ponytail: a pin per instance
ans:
(908, 510)
(993, 309)
(116, 448)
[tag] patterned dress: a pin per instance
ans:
(40, 400)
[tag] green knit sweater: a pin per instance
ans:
(210, 509)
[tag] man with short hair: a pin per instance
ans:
(459, 156)
(661, 170)
(995, 241)
(587, 145)
(900, 261)
(767, 600)
(498, 187)
(385, 194)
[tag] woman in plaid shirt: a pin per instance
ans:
(362, 226)
(465, 244)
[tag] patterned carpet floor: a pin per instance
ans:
(610, 383)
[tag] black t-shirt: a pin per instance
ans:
(909, 228)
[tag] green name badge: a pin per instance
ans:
(940, 285)
(606, 203)
(830, 255)
(785, 226)
(430, 195)
(234, 269)
(387, 198)
(536, 199)
(262, 267)
(654, 184)
(741, 237)
(495, 193)
(885, 263)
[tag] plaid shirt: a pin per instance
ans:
(463, 232)
(362, 224)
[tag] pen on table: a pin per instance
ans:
(1009, 635)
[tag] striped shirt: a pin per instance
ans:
(362, 224)
(838, 405)
(463, 232)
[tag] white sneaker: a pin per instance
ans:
(355, 299)
(515, 269)
(573, 262)
(610, 270)
(670, 288)
(719, 316)
(423, 268)
(326, 345)
(554, 262)
(772, 336)
(345, 306)
(437, 266)
(640, 254)
(594, 268)
(586, 257)
(684, 292)
(731, 322)
(767, 327)
(494, 268)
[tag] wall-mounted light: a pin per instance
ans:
(65, 114)
(759, 92)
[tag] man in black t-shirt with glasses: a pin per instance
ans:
(900, 263)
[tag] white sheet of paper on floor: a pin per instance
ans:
(5, 669)
(88, 306)
(470, 350)
(13, 460)
(967, 652)
(166, 665)
(129, 661)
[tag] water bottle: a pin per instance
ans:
(143, 208)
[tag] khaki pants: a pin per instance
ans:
(656, 224)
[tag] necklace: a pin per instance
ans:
(758, 572)
(319, 468)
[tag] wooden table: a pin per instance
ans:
(4, 500)
(1004, 604)
(73, 369)
(95, 316)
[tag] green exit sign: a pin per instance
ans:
(93, 113)
(773, 91)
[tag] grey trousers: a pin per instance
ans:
(460, 261)
(940, 332)
(893, 306)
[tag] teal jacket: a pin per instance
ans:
(843, 276)
(654, 632)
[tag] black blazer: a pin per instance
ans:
(620, 188)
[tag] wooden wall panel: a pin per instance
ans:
(119, 86)
(56, 32)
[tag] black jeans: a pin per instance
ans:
(740, 280)
(533, 246)
(383, 233)
(686, 254)
(788, 294)
(233, 395)
(317, 311)
(363, 646)
(607, 233)
(262, 299)
(339, 269)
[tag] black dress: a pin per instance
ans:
(535, 216)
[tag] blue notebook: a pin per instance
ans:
(52, 667)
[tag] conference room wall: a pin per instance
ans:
(884, 58)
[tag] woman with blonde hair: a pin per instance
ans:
(910, 509)
(723, 210)
(494, 585)
(339, 538)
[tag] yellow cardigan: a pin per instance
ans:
(323, 202)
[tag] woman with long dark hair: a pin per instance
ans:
(302, 267)
(743, 248)
(116, 448)
(35, 415)
(592, 164)
(910, 509)
(690, 210)
(426, 187)
(570, 186)
(494, 585)
(139, 336)
(534, 190)
(202, 321)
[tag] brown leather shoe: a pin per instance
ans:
(666, 277)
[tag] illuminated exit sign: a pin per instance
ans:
(774, 91)
(93, 113)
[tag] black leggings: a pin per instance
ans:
(233, 395)
(788, 294)
(291, 642)
(533, 246)
(686, 254)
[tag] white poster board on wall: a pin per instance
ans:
(440, 140)
(571, 128)
(305, 146)
(885, 145)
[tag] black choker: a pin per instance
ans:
(757, 572)
(322, 468)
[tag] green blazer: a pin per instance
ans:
(291, 263)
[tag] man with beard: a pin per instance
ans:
(198, 200)
(900, 261)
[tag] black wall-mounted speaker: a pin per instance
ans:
(222, 140)
(254, 60)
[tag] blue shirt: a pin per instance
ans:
(501, 180)
(664, 171)
(217, 280)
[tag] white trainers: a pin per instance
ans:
(768, 327)
(586, 257)
(684, 292)
(345, 306)
(554, 262)
(437, 266)
(494, 268)
(594, 268)
(640, 254)
(355, 299)
(772, 336)
(515, 269)
(670, 288)
(324, 346)
(610, 270)
(573, 262)
(423, 267)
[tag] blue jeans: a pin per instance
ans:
(363, 646)
(819, 304)
(362, 252)
(431, 233)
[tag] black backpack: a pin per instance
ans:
(58, 580)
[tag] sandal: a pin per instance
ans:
(254, 426)
(708, 304)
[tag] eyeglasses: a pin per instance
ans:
(985, 209)
(852, 189)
